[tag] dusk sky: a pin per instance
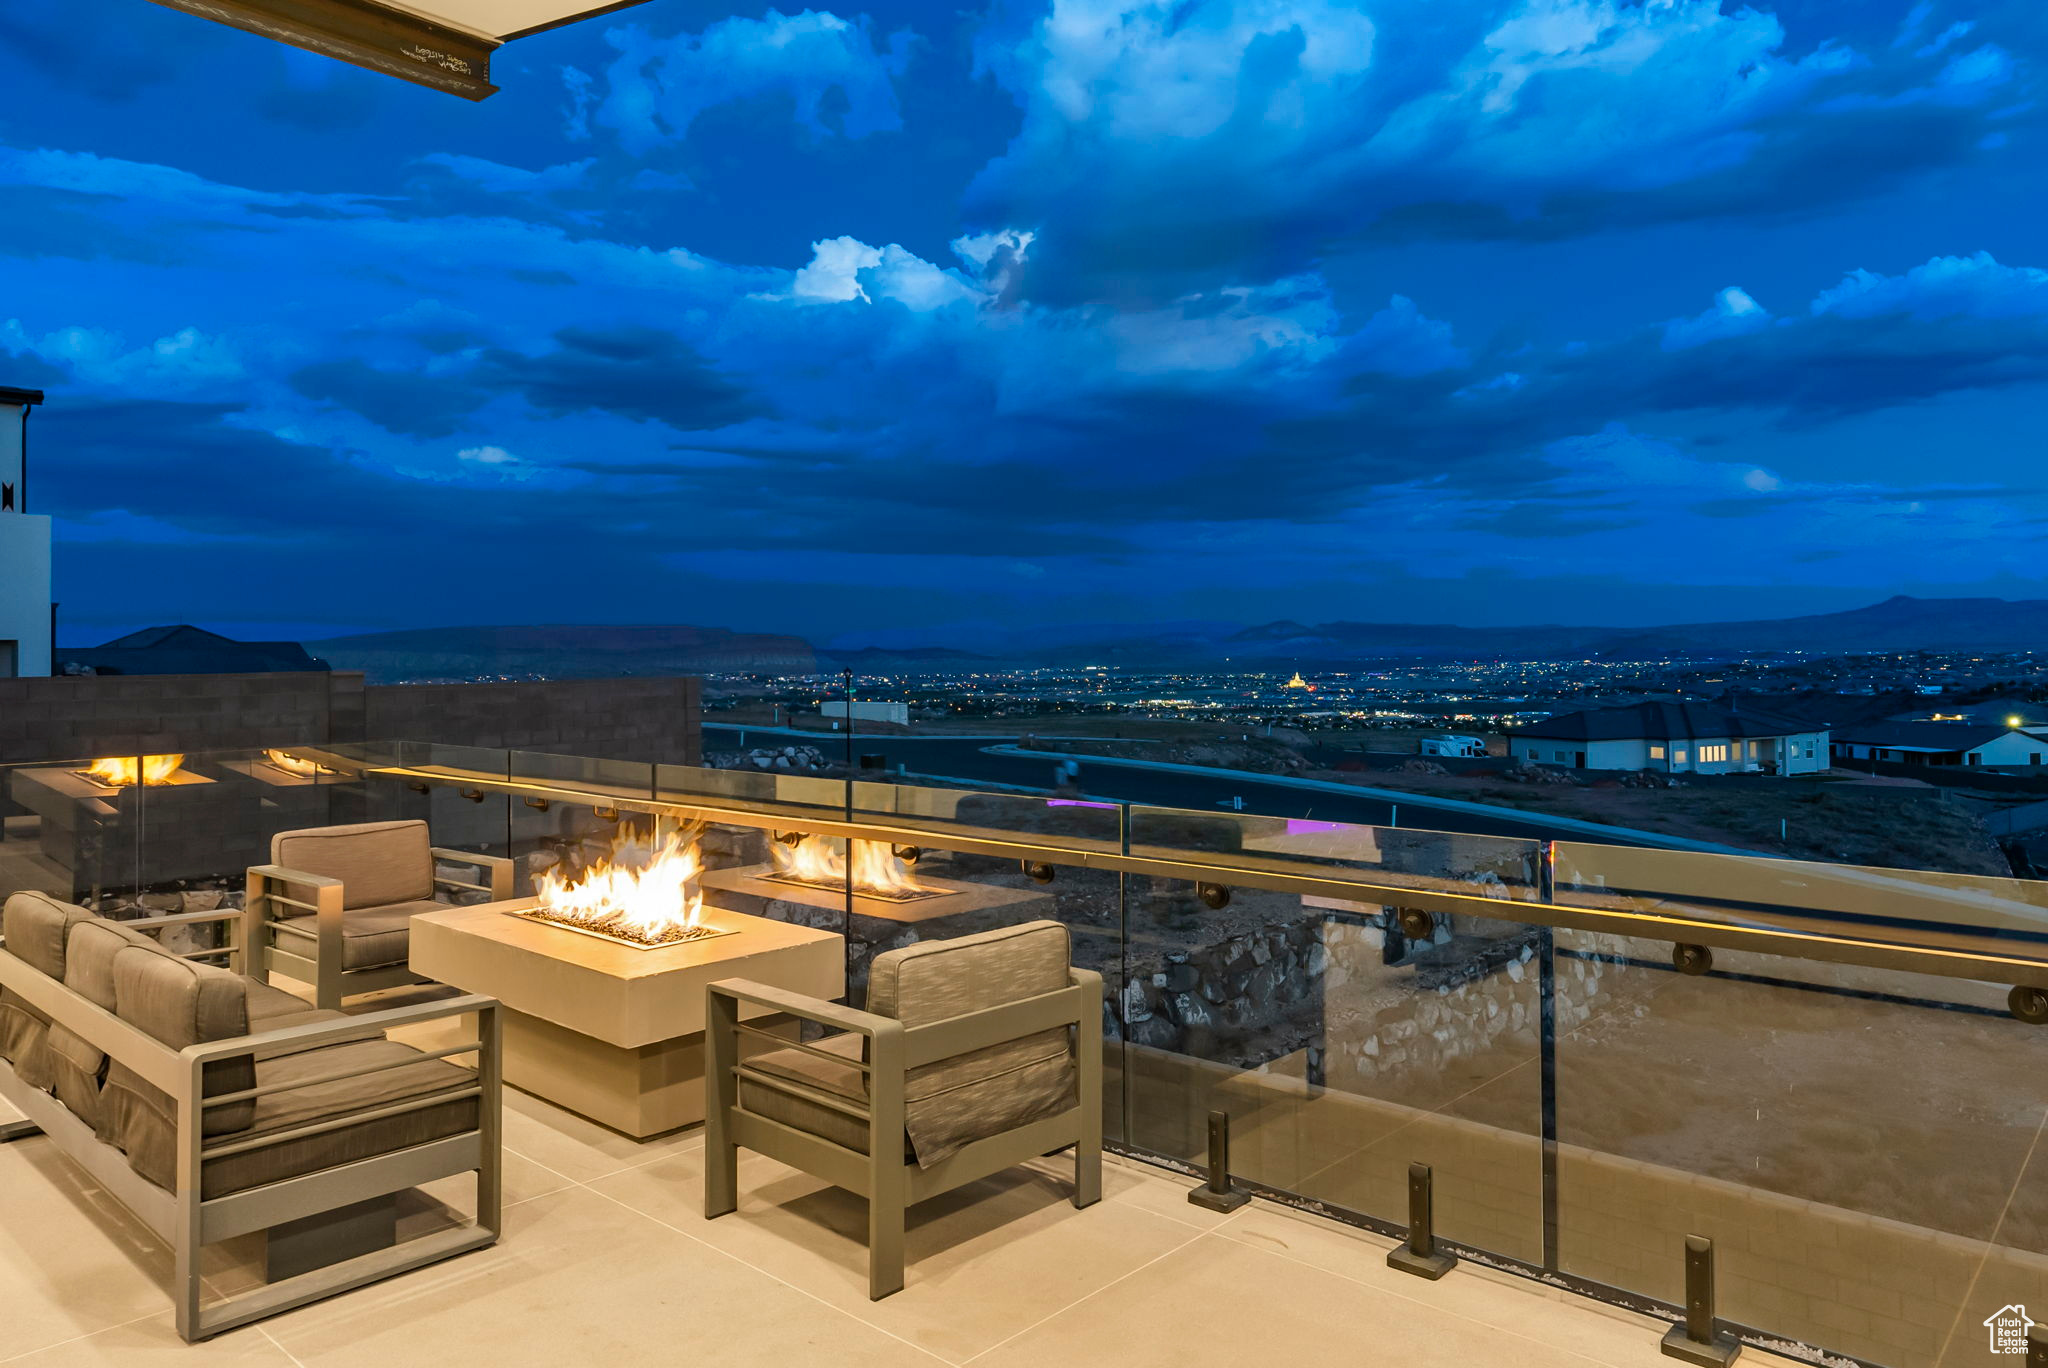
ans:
(876, 322)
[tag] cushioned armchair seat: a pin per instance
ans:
(975, 1053)
(371, 936)
(792, 1108)
(334, 907)
(320, 1102)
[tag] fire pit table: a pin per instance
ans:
(614, 1031)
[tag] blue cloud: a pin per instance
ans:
(1945, 287)
(1180, 140)
(657, 87)
(1295, 307)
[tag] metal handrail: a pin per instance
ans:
(1963, 953)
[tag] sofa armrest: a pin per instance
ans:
(496, 868)
(361, 1026)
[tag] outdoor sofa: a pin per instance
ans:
(214, 1106)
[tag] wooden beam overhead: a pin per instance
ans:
(379, 37)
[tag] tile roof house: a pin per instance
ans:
(1940, 743)
(1677, 738)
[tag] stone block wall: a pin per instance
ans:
(67, 718)
(64, 718)
(637, 718)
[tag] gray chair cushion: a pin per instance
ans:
(23, 1031)
(378, 863)
(152, 1132)
(265, 1004)
(371, 937)
(89, 965)
(937, 979)
(801, 1113)
(179, 1003)
(273, 1009)
(37, 928)
(78, 1067)
(966, 1097)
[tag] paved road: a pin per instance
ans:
(966, 758)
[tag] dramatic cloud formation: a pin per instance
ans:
(1223, 308)
(658, 86)
(1183, 138)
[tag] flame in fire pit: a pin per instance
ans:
(643, 893)
(125, 771)
(821, 860)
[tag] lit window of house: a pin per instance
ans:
(1656, 752)
(1713, 755)
(1679, 755)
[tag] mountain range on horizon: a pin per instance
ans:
(1896, 624)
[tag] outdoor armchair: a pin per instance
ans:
(975, 1054)
(334, 906)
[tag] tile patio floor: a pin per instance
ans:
(607, 1260)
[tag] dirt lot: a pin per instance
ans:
(1820, 822)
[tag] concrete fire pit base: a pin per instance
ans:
(610, 1031)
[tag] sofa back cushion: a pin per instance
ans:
(89, 957)
(378, 863)
(967, 1097)
(78, 1068)
(180, 1003)
(35, 926)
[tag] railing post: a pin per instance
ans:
(1217, 1194)
(1695, 1341)
(1419, 1254)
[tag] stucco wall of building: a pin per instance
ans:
(24, 593)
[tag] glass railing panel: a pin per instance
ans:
(73, 829)
(216, 817)
(1894, 906)
(570, 838)
(781, 874)
(1860, 1144)
(1343, 1049)
(767, 792)
(1063, 822)
(1498, 867)
(627, 780)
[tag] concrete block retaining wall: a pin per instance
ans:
(66, 718)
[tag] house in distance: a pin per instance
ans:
(1675, 738)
